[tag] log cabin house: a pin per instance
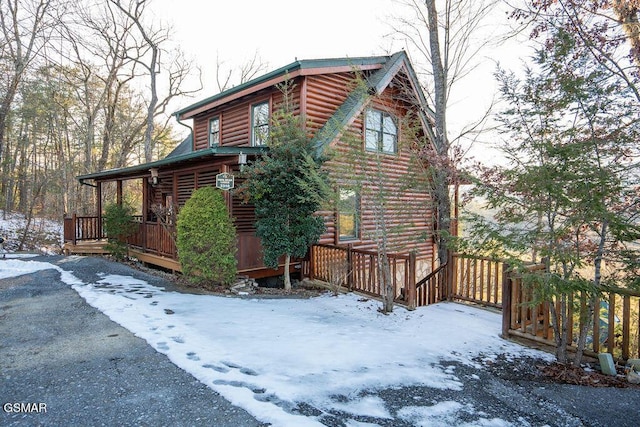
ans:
(368, 100)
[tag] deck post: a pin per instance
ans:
(119, 192)
(449, 278)
(74, 227)
(100, 232)
(350, 266)
(411, 282)
(506, 300)
(312, 263)
(145, 212)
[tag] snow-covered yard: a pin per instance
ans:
(43, 235)
(270, 355)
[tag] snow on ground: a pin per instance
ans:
(268, 355)
(44, 235)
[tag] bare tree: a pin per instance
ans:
(627, 12)
(447, 36)
(25, 26)
(601, 28)
(228, 76)
(147, 54)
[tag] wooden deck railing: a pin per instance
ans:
(77, 228)
(153, 237)
(615, 323)
(478, 279)
(362, 273)
(475, 279)
(432, 288)
(158, 238)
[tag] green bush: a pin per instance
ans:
(118, 224)
(207, 238)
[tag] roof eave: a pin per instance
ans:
(140, 170)
(375, 85)
(295, 69)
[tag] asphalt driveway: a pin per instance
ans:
(64, 363)
(73, 366)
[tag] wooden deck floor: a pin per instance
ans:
(85, 247)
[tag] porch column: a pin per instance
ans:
(99, 208)
(145, 211)
(119, 192)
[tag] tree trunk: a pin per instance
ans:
(286, 275)
(587, 318)
(442, 176)
(585, 324)
(559, 329)
(384, 273)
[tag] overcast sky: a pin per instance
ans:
(279, 30)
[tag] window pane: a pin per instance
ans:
(389, 125)
(388, 143)
(260, 135)
(371, 140)
(260, 117)
(348, 215)
(347, 226)
(373, 120)
(214, 132)
(381, 132)
(261, 114)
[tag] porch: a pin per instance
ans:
(153, 242)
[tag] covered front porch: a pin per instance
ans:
(157, 191)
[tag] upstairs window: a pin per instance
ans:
(259, 124)
(214, 132)
(348, 215)
(381, 132)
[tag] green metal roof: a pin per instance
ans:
(287, 69)
(133, 171)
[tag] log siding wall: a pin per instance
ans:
(318, 97)
(410, 213)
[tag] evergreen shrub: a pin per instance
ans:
(206, 238)
(118, 225)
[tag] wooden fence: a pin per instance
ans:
(475, 279)
(77, 228)
(478, 280)
(357, 270)
(614, 322)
